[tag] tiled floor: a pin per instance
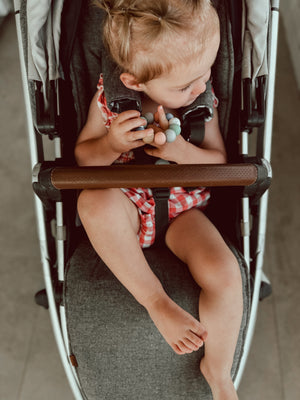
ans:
(30, 368)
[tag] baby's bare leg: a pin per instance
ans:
(194, 239)
(111, 221)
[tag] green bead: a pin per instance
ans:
(149, 117)
(175, 128)
(145, 120)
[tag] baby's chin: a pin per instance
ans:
(176, 106)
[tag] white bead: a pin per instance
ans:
(175, 121)
(162, 162)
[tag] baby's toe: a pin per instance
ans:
(191, 345)
(184, 346)
(196, 339)
(177, 350)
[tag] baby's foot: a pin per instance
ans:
(221, 388)
(180, 330)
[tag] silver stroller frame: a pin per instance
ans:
(264, 149)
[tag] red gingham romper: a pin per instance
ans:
(180, 200)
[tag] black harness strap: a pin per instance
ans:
(161, 197)
(193, 131)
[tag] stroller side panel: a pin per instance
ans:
(264, 151)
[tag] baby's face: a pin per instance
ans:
(185, 82)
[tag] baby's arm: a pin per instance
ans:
(97, 145)
(212, 150)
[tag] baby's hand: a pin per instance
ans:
(122, 136)
(158, 137)
(169, 126)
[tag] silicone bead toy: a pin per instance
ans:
(148, 117)
(170, 135)
(174, 121)
(169, 116)
(173, 130)
(160, 161)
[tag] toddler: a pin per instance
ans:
(165, 50)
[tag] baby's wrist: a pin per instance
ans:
(111, 147)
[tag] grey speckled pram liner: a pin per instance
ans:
(109, 346)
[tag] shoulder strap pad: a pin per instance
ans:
(196, 114)
(118, 97)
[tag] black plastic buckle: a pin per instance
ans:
(122, 105)
(161, 193)
(46, 119)
(194, 126)
(253, 117)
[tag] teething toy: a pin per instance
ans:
(173, 130)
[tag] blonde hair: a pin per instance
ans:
(147, 38)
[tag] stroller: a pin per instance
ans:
(109, 347)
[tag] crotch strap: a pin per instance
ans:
(161, 197)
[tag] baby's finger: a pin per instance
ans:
(134, 124)
(129, 114)
(138, 135)
(162, 119)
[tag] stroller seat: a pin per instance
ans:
(119, 351)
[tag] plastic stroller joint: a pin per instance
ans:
(253, 117)
(42, 184)
(264, 178)
(46, 119)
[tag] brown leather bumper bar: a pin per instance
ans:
(188, 175)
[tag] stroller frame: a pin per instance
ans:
(264, 149)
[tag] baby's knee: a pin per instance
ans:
(85, 203)
(225, 275)
(230, 274)
(92, 202)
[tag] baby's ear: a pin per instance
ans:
(131, 82)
